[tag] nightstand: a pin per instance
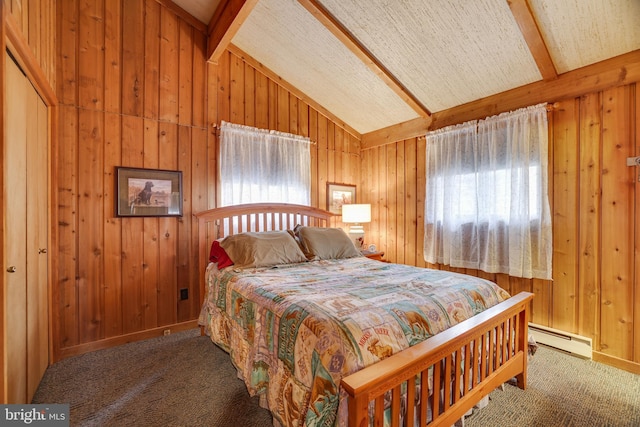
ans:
(373, 255)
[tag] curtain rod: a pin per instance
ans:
(217, 127)
(554, 106)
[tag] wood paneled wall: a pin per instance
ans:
(595, 290)
(135, 90)
(35, 19)
(131, 79)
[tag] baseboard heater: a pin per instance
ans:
(570, 343)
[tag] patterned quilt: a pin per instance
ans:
(294, 332)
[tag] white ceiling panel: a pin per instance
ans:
(445, 52)
(582, 32)
(288, 40)
(202, 10)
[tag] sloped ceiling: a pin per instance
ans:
(378, 63)
(285, 37)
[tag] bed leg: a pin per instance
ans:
(521, 380)
(459, 423)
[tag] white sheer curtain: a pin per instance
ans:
(487, 204)
(259, 165)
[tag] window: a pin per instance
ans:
(263, 166)
(487, 204)
(497, 207)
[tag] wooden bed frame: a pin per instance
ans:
(486, 350)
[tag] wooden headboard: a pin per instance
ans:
(220, 222)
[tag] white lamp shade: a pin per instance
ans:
(356, 213)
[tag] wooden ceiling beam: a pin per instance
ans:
(225, 23)
(617, 71)
(529, 28)
(390, 134)
(337, 29)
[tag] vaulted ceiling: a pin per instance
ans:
(376, 64)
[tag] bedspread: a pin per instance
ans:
(293, 332)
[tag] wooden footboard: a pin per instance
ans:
(476, 356)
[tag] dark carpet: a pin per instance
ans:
(185, 380)
(181, 379)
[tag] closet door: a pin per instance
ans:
(15, 176)
(25, 171)
(37, 236)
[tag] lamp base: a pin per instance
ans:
(356, 233)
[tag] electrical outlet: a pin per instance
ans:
(184, 294)
(167, 331)
(633, 161)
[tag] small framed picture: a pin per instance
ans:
(338, 195)
(148, 192)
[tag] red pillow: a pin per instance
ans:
(219, 255)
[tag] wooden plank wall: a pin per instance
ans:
(595, 290)
(131, 86)
(36, 21)
(135, 90)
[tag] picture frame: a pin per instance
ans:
(148, 192)
(338, 195)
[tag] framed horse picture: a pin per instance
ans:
(148, 192)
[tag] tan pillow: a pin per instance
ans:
(262, 249)
(326, 243)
